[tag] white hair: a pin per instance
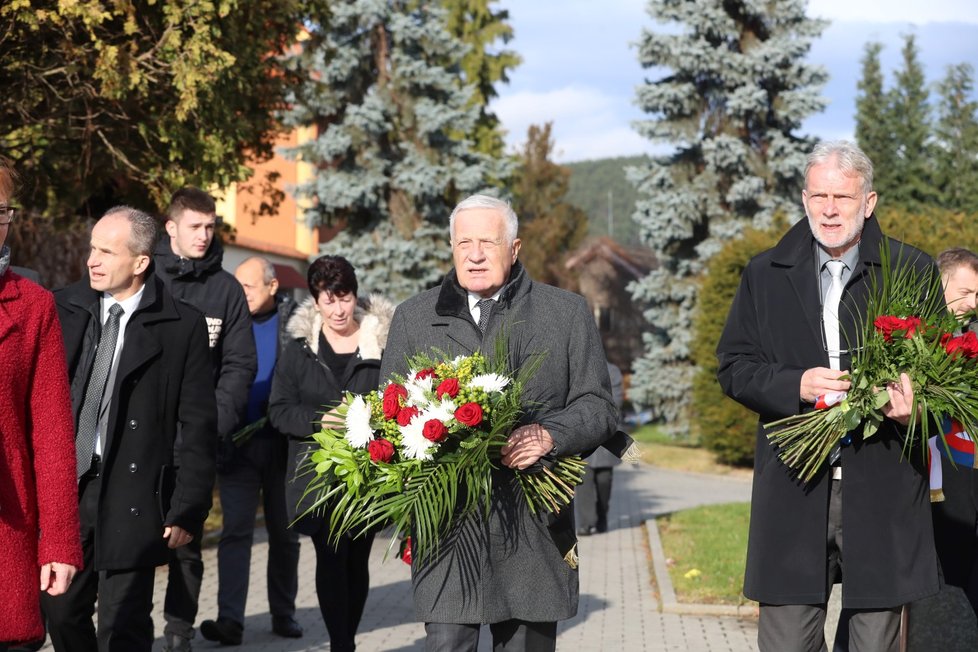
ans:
(491, 203)
(849, 158)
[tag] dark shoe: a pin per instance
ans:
(586, 531)
(286, 627)
(223, 630)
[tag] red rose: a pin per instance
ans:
(380, 450)
(405, 553)
(448, 386)
(405, 415)
(886, 325)
(393, 394)
(395, 389)
(434, 430)
(912, 324)
(966, 345)
(970, 346)
(469, 414)
(424, 373)
(392, 405)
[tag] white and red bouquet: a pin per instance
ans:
(418, 453)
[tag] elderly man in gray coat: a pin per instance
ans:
(505, 566)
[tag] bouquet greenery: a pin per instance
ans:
(906, 329)
(419, 453)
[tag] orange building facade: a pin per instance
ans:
(265, 217)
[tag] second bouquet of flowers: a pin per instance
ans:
(419, 452)
(906, 329)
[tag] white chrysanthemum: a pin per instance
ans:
(489, 382)
(418, 392)
(358, 431)
(413, 443)
(444, 411)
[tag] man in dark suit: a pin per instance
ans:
(505, 566)
(786, 342)
(142, 391)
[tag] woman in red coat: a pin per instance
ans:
(40, 543)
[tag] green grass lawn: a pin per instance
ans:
(707, 547)
(659, 449)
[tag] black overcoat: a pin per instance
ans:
(163, 383)
(772, 336)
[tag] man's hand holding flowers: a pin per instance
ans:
(819, 381)
(901, 400)
(526, 446)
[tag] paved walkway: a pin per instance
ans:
(619, 607)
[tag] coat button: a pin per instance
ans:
(132, 467)
(133, 424)
(134, 511)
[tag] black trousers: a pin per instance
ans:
(507, 636)
(125, 597)
(186, 572)
(342, 583)
(258, 470)
(592, 498)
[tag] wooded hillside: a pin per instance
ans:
(591, 182)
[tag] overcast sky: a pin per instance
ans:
(580, 66)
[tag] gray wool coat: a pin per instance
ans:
(505, 564)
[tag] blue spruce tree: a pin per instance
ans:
(392, 155)
(732, 89)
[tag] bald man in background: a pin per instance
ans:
(257, 469)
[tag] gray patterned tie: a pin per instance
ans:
(485, 311)
(88, 417)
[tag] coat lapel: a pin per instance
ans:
(796, 252)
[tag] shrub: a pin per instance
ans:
(722, 425)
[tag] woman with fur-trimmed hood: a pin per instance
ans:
(338, 341)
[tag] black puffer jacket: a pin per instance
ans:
(304, 388)
(207, 287)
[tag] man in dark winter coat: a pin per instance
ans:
(257, 469)
(507, 568)
(142, 395)
(189, 263)
(784, 346)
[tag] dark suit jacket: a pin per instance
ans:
(771, 337)
(163, 384)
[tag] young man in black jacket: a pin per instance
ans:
(189, 263)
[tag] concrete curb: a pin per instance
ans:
(667, 594)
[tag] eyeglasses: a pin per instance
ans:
(7, 215)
